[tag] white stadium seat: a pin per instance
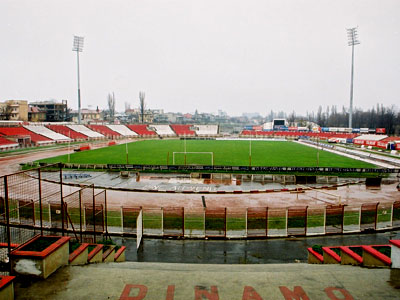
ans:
(122, 130)
(86, 131)
(206, 130)
(44, 131)
(163, 130)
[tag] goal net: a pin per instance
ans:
(193, 158)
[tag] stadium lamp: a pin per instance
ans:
(78, 47)
(352, 36)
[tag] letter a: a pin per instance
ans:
(297, 294)
(250, 294)
(127, 290)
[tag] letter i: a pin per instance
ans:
(170, 292)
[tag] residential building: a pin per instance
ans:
(14, 110)
(55, 111)
(36, 115)
(87, 115)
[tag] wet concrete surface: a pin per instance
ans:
(183, 183)
(349, 195)
(269, 251)
(353, 195)
(11, 163)
(156, 281)
(240, 269)
(174, 191)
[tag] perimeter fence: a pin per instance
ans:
(255, 222)
(33, 202)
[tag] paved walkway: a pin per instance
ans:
(135, 281)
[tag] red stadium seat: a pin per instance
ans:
(183, 130)
(141, 129)
(21, 131)
(67, 132)
(104, 130)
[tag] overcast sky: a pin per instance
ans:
(234, 55)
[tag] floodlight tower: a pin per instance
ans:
(352, 36)
(78, 47)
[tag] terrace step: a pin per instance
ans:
(371, 255)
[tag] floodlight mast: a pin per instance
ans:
(352, 36)
(78, 47)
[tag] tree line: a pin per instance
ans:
(378, 116)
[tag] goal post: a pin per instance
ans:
(211, 154)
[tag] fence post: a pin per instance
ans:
(342, 218)
(266, 221)
(80, 214)
(325, 219)
(105, 211)
(94, 215)
(122, 220)
(246, 221)
(62, 201)
(225, 221)
(7, 219)
(306, 220)
(287, 214)
(162, 220)
(183, 221)
(376, 215)
(49, 213)
(204, 220)
(40, 202)
(391, 216)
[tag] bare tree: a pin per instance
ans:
(142, 105)
(111, 106)
(127, 106)
(292, 118)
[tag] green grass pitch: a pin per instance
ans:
(234, 153)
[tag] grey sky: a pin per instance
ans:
(238, 56)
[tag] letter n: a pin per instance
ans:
(127, 290)
(201, 292)
(297, 294)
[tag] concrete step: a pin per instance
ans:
(134, 281)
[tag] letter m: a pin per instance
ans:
(297, 294)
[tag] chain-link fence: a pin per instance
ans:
(32, 203)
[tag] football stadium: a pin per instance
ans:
(206, 150)
(141, 182)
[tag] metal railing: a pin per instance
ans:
(36, 202)
(33, 202)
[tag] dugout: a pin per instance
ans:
(306, 179)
